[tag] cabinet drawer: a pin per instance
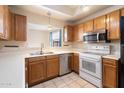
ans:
(110, 61)
(36, 58)
(52, 56)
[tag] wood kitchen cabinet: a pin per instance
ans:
(100, 23)
(68, 34)
(36, 70)
(110, 73)
(78, 32)
(113, 23)
(122, 12)
(20, 24)
(5, 22)
(39, 69)
(52, 66)
(26, 73)
(75, 33)
(76, 62)
(2, 22)
(88, 26)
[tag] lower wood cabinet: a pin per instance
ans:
(76, 62)
(110, 73)
(26, 72)
(37, 71)
(71, 62)
(52, 67)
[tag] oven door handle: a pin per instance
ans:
(90, 60)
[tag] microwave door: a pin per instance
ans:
(90, 38)
(102, 37)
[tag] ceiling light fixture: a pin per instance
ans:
(49, 26)
(84, 8)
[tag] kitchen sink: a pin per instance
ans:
(39, 53)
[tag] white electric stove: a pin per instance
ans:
(91, 64)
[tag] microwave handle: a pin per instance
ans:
(97, 36)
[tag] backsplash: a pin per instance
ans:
(17, 43)
(115, 46)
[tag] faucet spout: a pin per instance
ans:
(41, 51)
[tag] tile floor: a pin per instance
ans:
(71, 80)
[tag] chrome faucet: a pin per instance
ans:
(41, 50)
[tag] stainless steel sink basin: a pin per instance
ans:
(39, 53)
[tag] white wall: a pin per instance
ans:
(36, 37)
(12, 70)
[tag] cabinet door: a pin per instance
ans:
(68, 34)
(20, 27)
(88, 26)
(52, 68)
(100, 23)
(76, 32)
(8, 23)
(109, 76)
(37, 71)
(2, 22)
(122, 12)
(80, 32)
(114, 30)
(76, 62)
(71, 64)
(26, 73)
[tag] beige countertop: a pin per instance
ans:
(28, 55)
(115, 57)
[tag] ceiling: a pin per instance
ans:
(64, 12)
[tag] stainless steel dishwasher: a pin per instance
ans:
(64, 60)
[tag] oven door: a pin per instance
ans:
(90, 66)
(90, 37)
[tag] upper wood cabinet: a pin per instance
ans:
(110, 73)
(5, 22)
(75, 33)
(20, 23)
(88, 26)
(78, 32)
(68, 34)
(113, 23)
(2, 22)
(100, 23)
(122, 12)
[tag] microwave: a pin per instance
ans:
(94, 37)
